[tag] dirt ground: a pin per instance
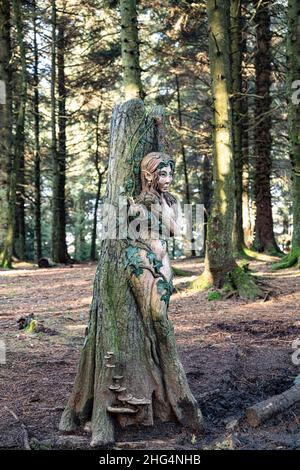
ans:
(235, 353)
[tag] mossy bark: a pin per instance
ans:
(219, 259)
(142, 352)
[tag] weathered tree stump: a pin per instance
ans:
(129, 370)
(266, 409)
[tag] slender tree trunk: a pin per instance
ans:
(220, 266)
(207, 192)
(293, 56)
(18, 139)
(236, 67)
(121, 345)
(80, 211)
(130, 50)
(294, 115)
(20, 229)
(100, 174)
(247, 228)
(59, 246)
(183, 153)
(264, 234)
(5, 122)
(37, 171)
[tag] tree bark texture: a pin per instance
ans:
(18, 147)
(5, 117)
(264, 234)
(264, 410)
(130, 50)
(219, 259)
(293, 52)
(122, 349)
(59, 246)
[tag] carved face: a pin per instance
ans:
(164, 178)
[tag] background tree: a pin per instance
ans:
(59, 246)
(220, 266)
(293, 56)
(264, 234)
(5, 118)
(18, 142)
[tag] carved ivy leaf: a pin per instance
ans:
(165, 288)
(133, 260)
(156, 263)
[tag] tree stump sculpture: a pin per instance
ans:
(129, 370)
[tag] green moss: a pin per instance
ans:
(35, 444)
(214, 295)
(181, 272)
(201, 283)
(292, 259)
(31, 327)
(244, 283)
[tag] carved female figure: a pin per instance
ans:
(150, 272)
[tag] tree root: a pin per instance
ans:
(244, 284)
(292, 259)
(238, 282)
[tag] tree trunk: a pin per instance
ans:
(5, 120)
(293, 52)
(130, 50)
(79, 225)
(20, 230)
(18, 139)
(37, 172)
(264, 234)
(206, 192)
(100, 175)
(59, 246)
(121, 346)
(236, 67)
(247, 220)
(183, 154)
(220, 266)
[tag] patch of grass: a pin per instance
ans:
(200, 284)
(214, 295)
(181, 272)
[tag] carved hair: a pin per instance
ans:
(150, 164)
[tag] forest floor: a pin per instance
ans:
(235, 353)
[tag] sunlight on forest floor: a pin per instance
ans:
(235, 352)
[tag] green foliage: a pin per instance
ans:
(214, 295)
